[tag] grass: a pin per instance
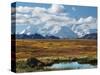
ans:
(51, 51)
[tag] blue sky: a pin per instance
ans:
(77, 12)
(45, 16)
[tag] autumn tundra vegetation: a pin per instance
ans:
(37, 54)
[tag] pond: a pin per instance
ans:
(71, 65)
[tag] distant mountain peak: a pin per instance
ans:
(66, 32)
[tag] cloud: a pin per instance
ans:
(19, 16)
(55, 8)
(91, 21)
(23, 9)
(39, 15)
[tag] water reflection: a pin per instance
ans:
(71, 65)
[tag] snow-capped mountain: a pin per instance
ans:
(66, 32)
(90, 36)
(72, 31)
(82, 30)
(62, 32)
(26, 31)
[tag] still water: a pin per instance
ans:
(71, 65)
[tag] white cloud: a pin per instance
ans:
(21, 21)
(19, 15)
(34, 21)
(23, 9)
(89, 21)
(55, 8)
(81, 20)
(40, 15)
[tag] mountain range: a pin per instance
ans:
(90, 36)
(35, 36)
(70, 32)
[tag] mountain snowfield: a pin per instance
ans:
(74, 31)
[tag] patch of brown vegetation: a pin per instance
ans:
(55, 48)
